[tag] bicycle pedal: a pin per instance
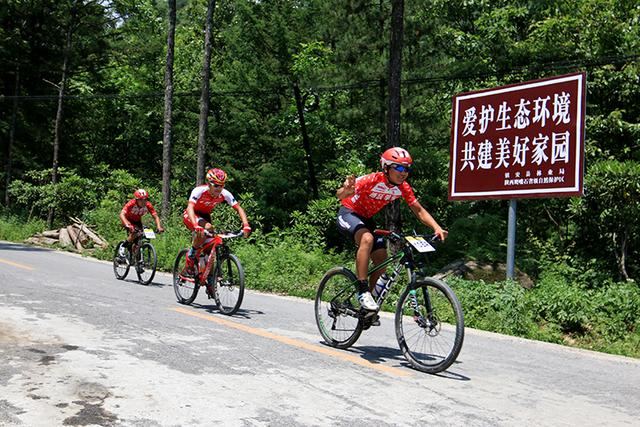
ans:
(375, 321)
(371, 321)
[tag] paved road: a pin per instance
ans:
(79, 347)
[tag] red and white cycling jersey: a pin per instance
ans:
(374, 191)
(134, 213)
(204, 202)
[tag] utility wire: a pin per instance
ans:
(363, 84)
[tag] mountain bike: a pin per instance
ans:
(429, 321)
(222, 274)
(142, 256)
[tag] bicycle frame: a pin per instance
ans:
(210, 245)
(137, 243)
(403, 259)
(215, 243)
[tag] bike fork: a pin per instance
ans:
(413, 304)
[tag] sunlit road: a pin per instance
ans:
(79, 347)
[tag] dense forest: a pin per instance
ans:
(297, 97)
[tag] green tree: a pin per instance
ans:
(606, 214)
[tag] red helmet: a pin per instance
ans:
(216, 176)
(141, 194)
(396, 155)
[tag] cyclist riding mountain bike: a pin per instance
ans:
(132, 213)
(361, 199)
(197, 216)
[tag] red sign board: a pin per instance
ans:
(519, 141)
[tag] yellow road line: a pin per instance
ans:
(295, 343)
(16, 264)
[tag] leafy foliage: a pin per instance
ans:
(604, 215)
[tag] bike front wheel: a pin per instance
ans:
(337, 309)
(184, 284)
(121, 263)
(229, 284)
(147, 263)
(429, 325)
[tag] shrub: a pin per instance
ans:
(68, 196)
(283, 265)
(498, 307)
(557, 301)
(15, 229)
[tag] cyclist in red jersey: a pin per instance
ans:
(361, 199)
(197, 215)
(132, 213)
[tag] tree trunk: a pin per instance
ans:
(305, 140)
(61, 93)
(392, 212)
(620, 249)
(167, 147)
(395, 72)
(12, 136)
(204, 96)
(382, 84)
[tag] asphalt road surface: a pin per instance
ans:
(78, 347)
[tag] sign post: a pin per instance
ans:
(519, 141)
(511, 239)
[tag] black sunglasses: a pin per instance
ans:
(217, 185)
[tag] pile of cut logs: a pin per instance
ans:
(78, 235)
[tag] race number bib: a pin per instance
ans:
(149, 234)
(420, 244)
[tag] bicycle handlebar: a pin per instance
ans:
(224, 234)
(394, 236)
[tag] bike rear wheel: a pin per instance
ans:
(147, 263)
(229, 284)
(429, 325)
(121, 264)
(184, 285)
(337, 309)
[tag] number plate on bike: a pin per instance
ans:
(420, 244)
(149, 234)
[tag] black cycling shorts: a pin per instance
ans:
(136, 224)
(350, 222)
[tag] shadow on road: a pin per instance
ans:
(22, 247)
(135, 281)
(377, 354)
(213, 308)
(158, 284)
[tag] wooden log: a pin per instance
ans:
(76, 236)
(79, 247)
(54, 234)
(65, 240)
(97, 239)
(90, 233)
(48, 241)
(41, 240)
(82, 236)
(73, 234)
